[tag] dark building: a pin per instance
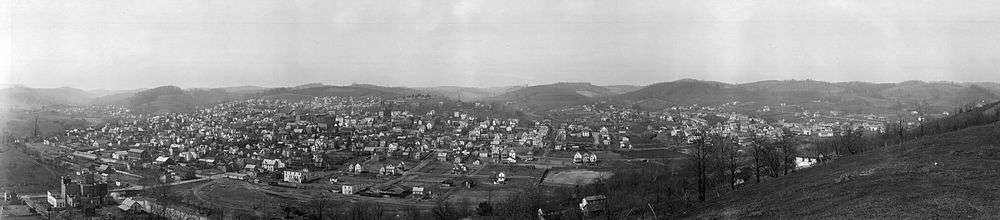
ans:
(84, 191)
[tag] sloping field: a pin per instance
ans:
(22, 174)
(953, 175)
(576, 177)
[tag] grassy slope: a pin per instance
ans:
(899, 181)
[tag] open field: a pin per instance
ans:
(511, 170)
(576, 177)
(226, 194)
(651, 153)
(22, 174)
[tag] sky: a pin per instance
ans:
(126, 44)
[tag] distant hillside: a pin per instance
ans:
(951, 175)
(164, 99)
(931, 97)
(846, 96)
(107, 92)
(968, 116)
(622, 89)
(992, 86)
(244, 89)
(172, 99)
(459, 93)
(356, 90)
(21, 96)
(683, 92)
(306, 86)
(545, 97)
(395, 90)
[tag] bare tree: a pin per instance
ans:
(700, 155)
(787, 147)
(444, 211)
(757, 144)
(730, 158)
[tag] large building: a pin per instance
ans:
(80, 191)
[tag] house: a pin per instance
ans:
(56, 200)
(805, 162)
(584, 158)
(388, 170)
(137, 154)
(82, 191)
(188, 155)
(356, 168)
(298, 176)
(272, 164)
(347, 189)
(591, 204)
(119, 155)
(418, 190)
(163, 160)
(501, 178)
(129, 205)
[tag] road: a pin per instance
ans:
(135, 188)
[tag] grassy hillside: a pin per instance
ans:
(932, 97)
(460, 93)
(164, 99)
(622, 89)
(21, 96)
(324, 91)
(546, 97)
(684, 92)
(951, 175)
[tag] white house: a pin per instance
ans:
(272, 164)
(298, 176)
(804, 162)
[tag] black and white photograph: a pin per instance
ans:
(499, 109)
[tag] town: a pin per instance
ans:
(261, 157)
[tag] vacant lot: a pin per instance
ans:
(651, 153)
(576, 177)
(511, 170)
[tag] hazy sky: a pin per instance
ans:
(119, 44)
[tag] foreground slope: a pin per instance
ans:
(951, 175)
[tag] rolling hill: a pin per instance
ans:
(546, 97)
(814, 95)
(244, 89)
(684, 92)
(22, 96)
(622, 89)
(846, 96)
(949, 175)
(171, 99)
(460, 93)
(356, 90)
(164, 99)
